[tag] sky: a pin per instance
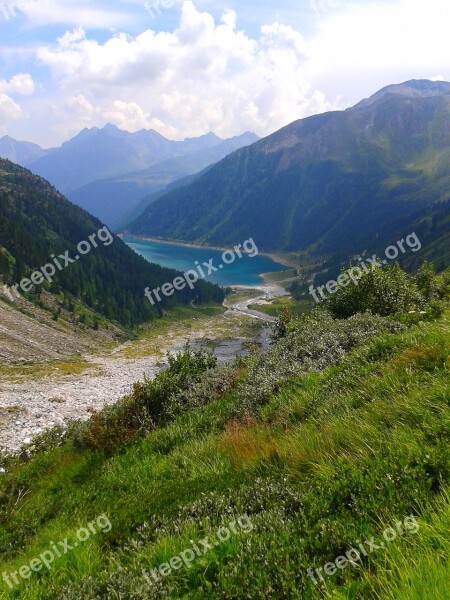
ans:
(188, 67)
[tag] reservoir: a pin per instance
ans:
(243, 271)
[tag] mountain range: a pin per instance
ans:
(326, 188)
(332, 185)
(117, 200)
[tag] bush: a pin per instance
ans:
(310, 343)
(426, 281)
(151, 404)
(184, 370)
(112, 427)
(212, 385)
(383, 291)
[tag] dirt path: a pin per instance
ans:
(268, 292)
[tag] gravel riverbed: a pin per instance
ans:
(29, 407)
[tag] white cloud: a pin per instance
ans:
(382, 42)
(204, 76)
(209, 75)
(22, 84)
(9, 110)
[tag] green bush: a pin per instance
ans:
(213, 384)
(151, 404)
(310, 343)
(112, 427)
(383, 291)
(184, 370)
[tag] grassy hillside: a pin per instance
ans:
(338, 433)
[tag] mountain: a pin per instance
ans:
(37, 223)
(416, 88)
(114, 200)
(20, 152)
(333, 184)
(108, 152)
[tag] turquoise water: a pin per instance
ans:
(243, 271)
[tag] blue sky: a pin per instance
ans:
(188, 67)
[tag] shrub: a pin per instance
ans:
(151, 404)
(213, 384)
(112, 427)
(184, 370)
(279, 328)
(426, 281)
(311, 343)
(383, 291)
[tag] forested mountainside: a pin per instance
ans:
(332, 184)
(38, 224)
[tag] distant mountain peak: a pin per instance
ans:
(207, 136)
(19, 151)
(330, 184)
(414, 88)
(111, 127)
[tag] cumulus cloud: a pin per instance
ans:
(382, 42)
(203, 76)
(22, 84)
(9, 110)
(210, 75)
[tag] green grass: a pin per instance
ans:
(333, 457)
(420, 569)
(52, 368)
(296, 307)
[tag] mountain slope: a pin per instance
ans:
(37, 223)
(20, 152)
(335, 184)
(112, 199)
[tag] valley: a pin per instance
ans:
(35, 397)
(179, 373)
